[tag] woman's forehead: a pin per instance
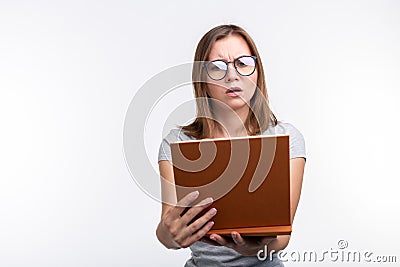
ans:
(229, 48)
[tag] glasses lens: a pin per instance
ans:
(245, 65)
(217, 69)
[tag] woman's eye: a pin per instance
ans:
(217, 66)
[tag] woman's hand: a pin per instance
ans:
(248, 246)
(176, 231)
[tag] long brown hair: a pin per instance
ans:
(260, 115)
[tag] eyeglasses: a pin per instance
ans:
(244, 65)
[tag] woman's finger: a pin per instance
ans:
(238, 239)
(194, 211)
(198, 235)
(198, 224)
(220, 240)
(185, 202)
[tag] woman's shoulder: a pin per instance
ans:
(176, 135)
(282, 128)
(297, 143)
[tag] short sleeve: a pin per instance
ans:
(164, 152)
(175, 135)
(296, 140)
(297, 147)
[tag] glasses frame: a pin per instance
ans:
(227, 66)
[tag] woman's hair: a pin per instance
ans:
(260, 114)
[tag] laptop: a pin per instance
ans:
(248, 178)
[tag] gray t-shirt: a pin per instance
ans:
(208, 255)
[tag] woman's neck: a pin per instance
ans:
(232, 122)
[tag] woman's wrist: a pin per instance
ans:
(164, 239)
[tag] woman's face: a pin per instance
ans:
(234, 89)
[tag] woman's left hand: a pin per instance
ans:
(247, 246)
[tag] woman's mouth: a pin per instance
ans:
(234, 91)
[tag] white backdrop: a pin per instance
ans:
(69, 69)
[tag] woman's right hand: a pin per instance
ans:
(176, 231)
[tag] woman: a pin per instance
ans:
(231, 77)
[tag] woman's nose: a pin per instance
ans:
(231, 74)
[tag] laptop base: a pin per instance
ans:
(255, 231)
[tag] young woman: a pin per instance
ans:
(232, 78)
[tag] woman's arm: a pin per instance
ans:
(175, 231)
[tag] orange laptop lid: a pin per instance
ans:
(248, 178)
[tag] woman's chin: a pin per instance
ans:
(237, 104)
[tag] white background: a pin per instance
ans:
(68, 71)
